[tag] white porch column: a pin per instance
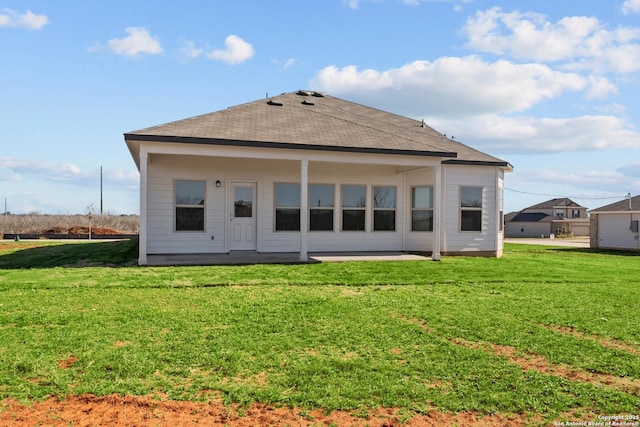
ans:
(437, 213)
(304, 208)
(142, 236)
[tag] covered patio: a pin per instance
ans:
(253, 257)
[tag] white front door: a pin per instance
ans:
(242, 227)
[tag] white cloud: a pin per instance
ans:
(57, 172)
(589, 187)
(190, 51)
(513, 135)
(27, 20)
(14, 169)
(580, 41)
(600, 88)
(137, 42)
(454, 86)
(235, 52)
(351, 4)
(631, 6)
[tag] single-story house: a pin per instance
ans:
(306, 172)
(557, 217)
(615, 226)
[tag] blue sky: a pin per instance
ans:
(550, 86)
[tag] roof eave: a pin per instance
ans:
(281, 145)
(505, 165)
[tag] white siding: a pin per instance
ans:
(614, 232)
(454, 240)
(528, 229)
(164, 169)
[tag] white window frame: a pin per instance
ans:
(464, 208)
(177, 205)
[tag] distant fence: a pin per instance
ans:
(52, 236)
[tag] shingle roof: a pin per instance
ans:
(528, 217)
(620, 206)
(561, 202)
(314, 121)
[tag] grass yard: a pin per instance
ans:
(548, 334)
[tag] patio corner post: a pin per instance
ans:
(437, 214)
(142, 233)
(304, 211)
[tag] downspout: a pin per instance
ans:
(304, 208)
(437, 217)
(142, 234)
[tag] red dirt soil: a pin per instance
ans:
(88, 410)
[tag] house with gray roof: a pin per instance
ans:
(615, 226)
(306, 172)
(555, 217)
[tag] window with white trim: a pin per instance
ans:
(354, 205)
(321, 202)
(422, 208)
(470, 208)
(189, 205)
(287, 206)
(384, 208)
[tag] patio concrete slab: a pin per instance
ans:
(252, 257)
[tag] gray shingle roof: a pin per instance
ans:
(620, 206)
(562, 202)
(529, 217)
(313, 121)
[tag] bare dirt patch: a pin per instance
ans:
(608, 343)
(540, 364)
(88, 410)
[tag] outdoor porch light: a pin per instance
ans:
(218, 183)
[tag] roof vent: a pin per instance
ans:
(276, 103)
(318, 94)
(305, 102)
(304, 93)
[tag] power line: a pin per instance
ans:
(568, 197)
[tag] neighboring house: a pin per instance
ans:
(306, 172)
(558, 217)
(615, 226)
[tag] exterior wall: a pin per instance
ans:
(613, 231)
(485, 242)
(528, 229)
(580, 228)
(164, 169)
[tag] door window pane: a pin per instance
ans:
(243, 202)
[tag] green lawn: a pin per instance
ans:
(82, 318)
